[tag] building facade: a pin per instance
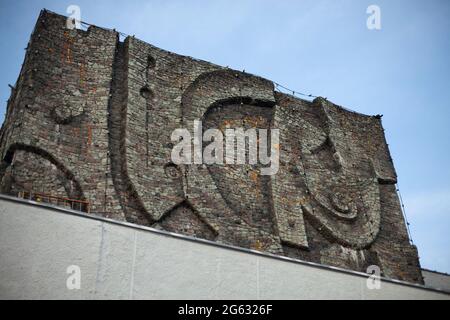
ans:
(89, 125)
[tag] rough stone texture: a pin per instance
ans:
(91, 117)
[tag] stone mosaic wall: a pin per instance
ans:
(91, 118)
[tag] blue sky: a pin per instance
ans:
(321, 47)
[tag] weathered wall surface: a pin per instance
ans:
(435, 279)
(59, 112)
(123, 262)
(91, 118)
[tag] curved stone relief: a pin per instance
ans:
(342, 202)
(215, 192)
(48, 175)
(243, 188)
(341, 191)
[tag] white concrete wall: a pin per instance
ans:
(436, 279)
(117, 261)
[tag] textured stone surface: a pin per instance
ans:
(91, 117)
